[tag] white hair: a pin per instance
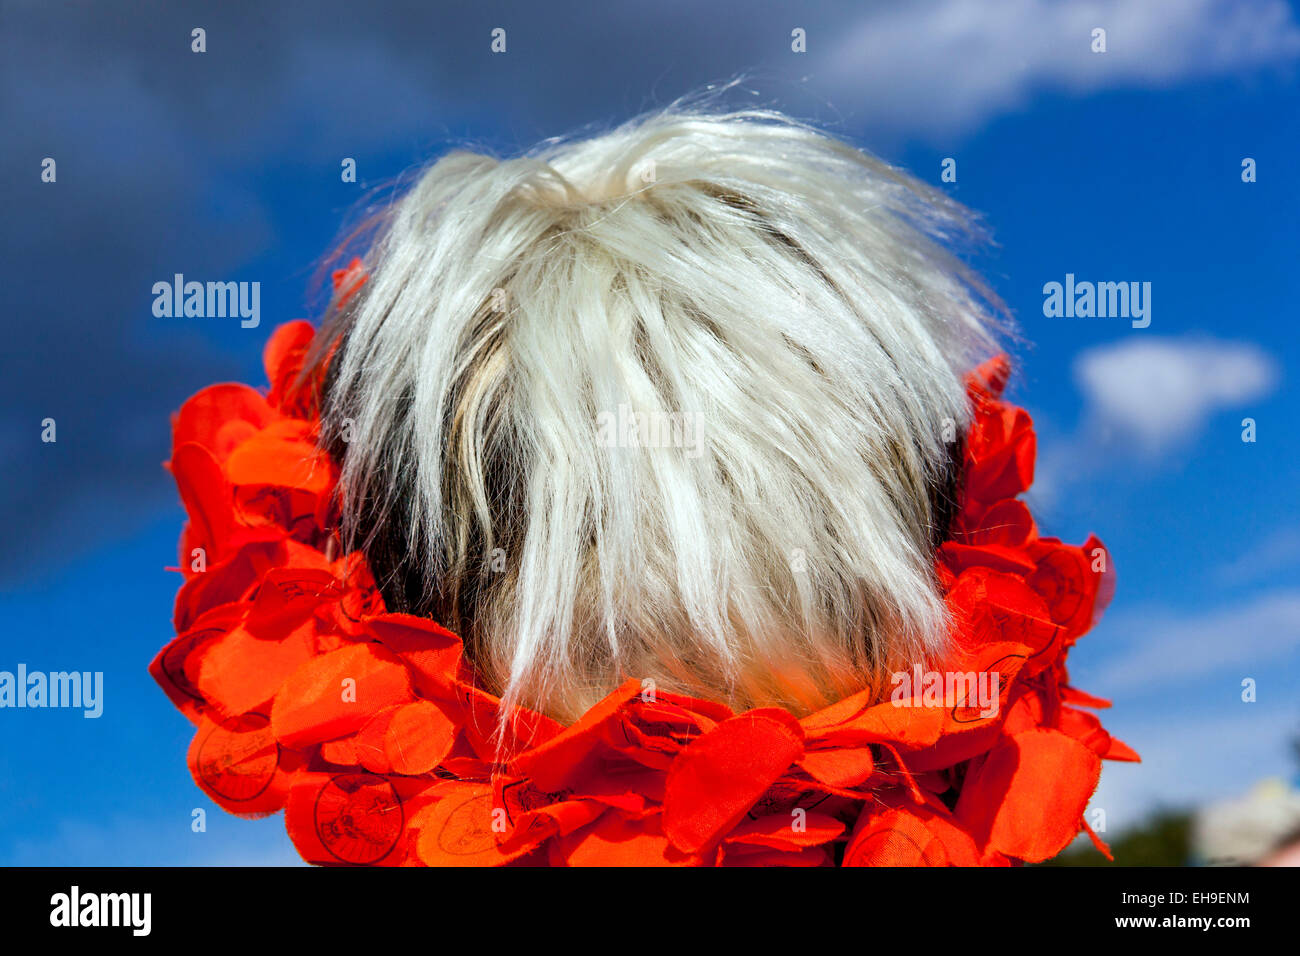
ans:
(760, 281)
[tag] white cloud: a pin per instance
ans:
(1158, 392)
(1190, 760)
(946, 66)
(1175, 679)
(1234, 642)
(1279, 551)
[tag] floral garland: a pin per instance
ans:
(367, 729)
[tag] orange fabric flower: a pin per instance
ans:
(366, 728)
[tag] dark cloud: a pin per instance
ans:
(225, 165)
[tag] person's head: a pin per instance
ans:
(680, 402)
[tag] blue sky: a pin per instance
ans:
(1122, 166)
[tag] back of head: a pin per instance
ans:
(675, 402)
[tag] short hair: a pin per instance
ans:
(740, 276)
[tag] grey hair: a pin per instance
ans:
(742, 273)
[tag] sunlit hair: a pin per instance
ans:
(778, 289)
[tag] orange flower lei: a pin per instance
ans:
(366, 727)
